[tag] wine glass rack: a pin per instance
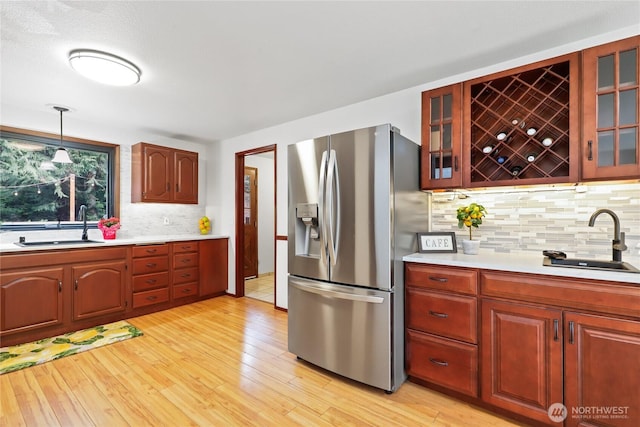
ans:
(520, 127)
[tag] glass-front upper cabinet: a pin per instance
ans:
(611, 121)
(441, 140)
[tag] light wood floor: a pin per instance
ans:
(220, 362)
(262, 287)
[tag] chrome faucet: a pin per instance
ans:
(83, 217)
(618, 238)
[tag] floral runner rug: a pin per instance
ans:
(34, 353)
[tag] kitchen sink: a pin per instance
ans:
(56, 242)
(591, 264)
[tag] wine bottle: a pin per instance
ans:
(515, 171)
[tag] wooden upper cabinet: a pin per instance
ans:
(611, 105)
(521, 126)
(185, 173)
(441, 138)
(163, 175)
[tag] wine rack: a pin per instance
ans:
(520, 125)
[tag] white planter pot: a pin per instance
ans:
(470, 247)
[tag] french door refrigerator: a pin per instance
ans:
(354, 211)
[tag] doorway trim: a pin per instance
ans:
(239, 179)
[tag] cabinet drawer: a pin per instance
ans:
(452, 279)
(188, 289)
(156, 296)
(185, 260)
(150, 265)
(184, 275)
(179, 247)
(450, 315)
(145, 282)
(150, 250)
(441, 361)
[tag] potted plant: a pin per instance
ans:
(108, 226)
(471, 217)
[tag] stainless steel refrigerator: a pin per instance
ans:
(354, 211)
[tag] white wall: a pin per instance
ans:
(266, 211)
(402, 109)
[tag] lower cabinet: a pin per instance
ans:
(51, 292)
(213, 267)
(521, 360)
(99, 289)
(543, 341)
(31, 299)
(602, 371)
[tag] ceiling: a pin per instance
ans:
(214, 70)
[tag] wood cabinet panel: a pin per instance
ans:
(184, 290)
(611, 102)
(150, 265)
(163, 175)
(444, 362)
(521, 360)
(185, 275)
(156, 296)
(99, 289)
(602, 366)
(607, 297)
(31, 299)
(459, 280)
(186, 177)
(144, 282)
(453, 316)
(185, 260)
(441, 140)
(213, 266)
(149, 250)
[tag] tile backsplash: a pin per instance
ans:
(552, 217)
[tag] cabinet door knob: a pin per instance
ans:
(59, 285)
(76, 285)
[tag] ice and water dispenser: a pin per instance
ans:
(307, 230)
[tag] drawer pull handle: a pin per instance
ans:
(186, 247)
(590, 155)
(186, 291)
(151, 281)
(438, 362)
(152, 298)
(186, 275)
(440, 315)
(152, 251)
(186, 260)
(438, 279)
(59, 285)
(76, 284)
(151, 264)
(555, 329)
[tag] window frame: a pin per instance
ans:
(113, 151)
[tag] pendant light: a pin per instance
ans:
(61, 156)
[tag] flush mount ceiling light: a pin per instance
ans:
(104, 68)
(61, 156)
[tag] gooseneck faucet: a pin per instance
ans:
(83, 216)
(618, 238)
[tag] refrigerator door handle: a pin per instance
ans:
(322, 224)
(335, 294)
(333, 175)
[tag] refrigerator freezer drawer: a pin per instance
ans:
(343, 329)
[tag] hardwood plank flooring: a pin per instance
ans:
(219, 362)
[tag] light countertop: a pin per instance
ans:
(143, 240)
(523, 263)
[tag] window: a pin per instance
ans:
(38, 194)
